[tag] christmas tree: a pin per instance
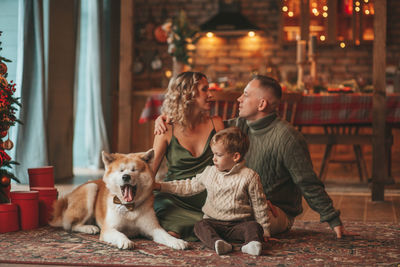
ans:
(8, 107)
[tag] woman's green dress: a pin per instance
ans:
(179, 214)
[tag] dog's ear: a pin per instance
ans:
(107, 158)
(148, 156)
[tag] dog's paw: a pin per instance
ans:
(125, 244)
(178, 244)
(87, 229)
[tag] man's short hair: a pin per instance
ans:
(233, 140)
(270, 84)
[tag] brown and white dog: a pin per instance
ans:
(121, 204)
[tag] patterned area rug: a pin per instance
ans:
(307, 244)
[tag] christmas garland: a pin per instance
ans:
(182, 38)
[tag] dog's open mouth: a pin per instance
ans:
(128, 192)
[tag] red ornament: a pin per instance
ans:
(160, 35)
(3, 133)
(7, 145)
(3, 68)
(5, 181)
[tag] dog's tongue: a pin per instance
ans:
(127, 192)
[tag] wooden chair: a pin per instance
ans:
(288, 106)
(226, 104)
(345, 135)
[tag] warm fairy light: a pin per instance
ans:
(251, 34)
(325, 8)
(322, 38)
(325, 15)
(314, 10)
(342, 45)
(168, 73)
(290, 13)
(357, 9)
(209, 34)
(366, 1)
(285, 8)
(357, 3)
(367, 12)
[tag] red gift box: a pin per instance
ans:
(8, 218)
(41, 177)
(28, 206)
(47, 195)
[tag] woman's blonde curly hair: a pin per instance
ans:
(180, 96)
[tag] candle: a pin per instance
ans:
(312, 45)
(301, 51)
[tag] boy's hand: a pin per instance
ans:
(160, 124)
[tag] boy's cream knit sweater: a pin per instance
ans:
(231, 196)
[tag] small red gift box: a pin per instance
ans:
(28, 206)
(8, 218)
(47, 195)
(41, 177)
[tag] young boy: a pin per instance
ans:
(234, 197)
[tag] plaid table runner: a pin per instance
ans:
(315, 109)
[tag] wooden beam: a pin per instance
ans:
(125, 77)
(332, 21)
(305, 19)
(379, 155)
(61, 76)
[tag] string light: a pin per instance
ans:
(285, 8)
(342, 45)
(290, 13)
(209, 34)
(251, 34)
(322, 38)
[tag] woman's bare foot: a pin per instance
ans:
(174, 234)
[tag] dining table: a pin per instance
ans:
(315, 109)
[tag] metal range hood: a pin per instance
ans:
(228, 20)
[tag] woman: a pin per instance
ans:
(185, 145)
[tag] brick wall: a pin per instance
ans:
(238, 57)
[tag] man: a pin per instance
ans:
(279, 154)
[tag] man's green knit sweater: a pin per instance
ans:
(279, 154)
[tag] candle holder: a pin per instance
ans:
(301, 61)
(312, 47)
(313, 67)
(300, 75)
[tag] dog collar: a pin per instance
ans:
(129, 206)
